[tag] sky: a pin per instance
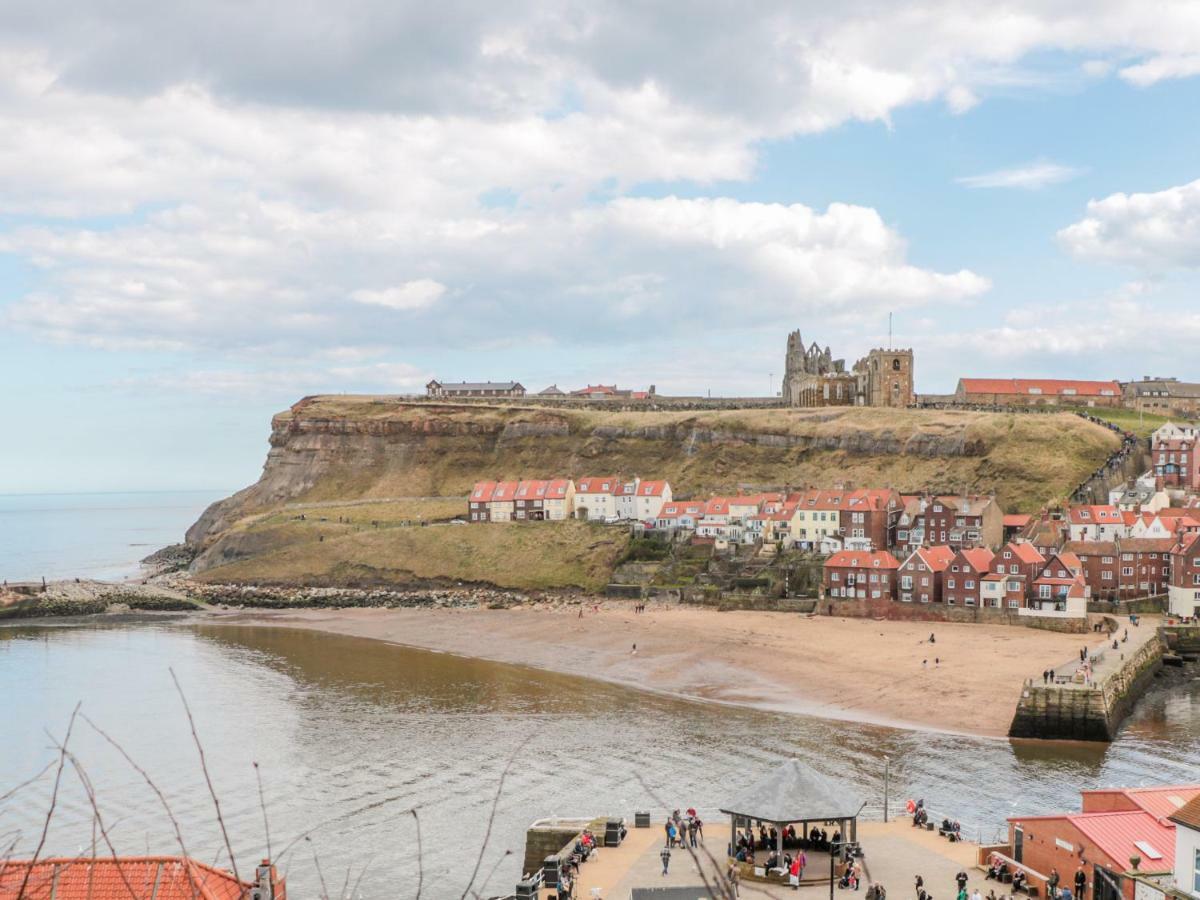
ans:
(209, 210)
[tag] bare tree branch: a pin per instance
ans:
(492, 816)
(317, 863)
(99, 820)
(262, 803)
(62, 761)
(207, 778)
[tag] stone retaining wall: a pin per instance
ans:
(939, 612)
(1075, 713)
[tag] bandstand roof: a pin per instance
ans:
(795, 792)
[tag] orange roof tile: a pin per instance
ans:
(600, 485)
(1040, 386)
(160, 877)
(876, 559)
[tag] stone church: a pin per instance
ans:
(812, 377)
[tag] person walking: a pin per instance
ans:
(961, 878)
(734, 877)
(669, 828)
(919, 887)
(665, 856)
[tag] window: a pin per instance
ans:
(950, 584)
(969, 584)
(1127, 571)
(1196, 873)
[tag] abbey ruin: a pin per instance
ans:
(812, 377)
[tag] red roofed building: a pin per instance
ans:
(1013, 571)
(478, 502)
(133, 878)
(964, 579)
(677, 515)
(1115, 826)
(860, 575)
(1124, 568)
(560, 499)
(596, 498)
(529, 501)
(1060, 590)
(923, 573)
(502, 506)
(1183, 593)
(1095, 523)
(651, 495)
(1037, 392)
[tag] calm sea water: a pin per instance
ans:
(350, 734)
(91, 535)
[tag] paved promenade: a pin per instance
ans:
(894, 854)
(1106, 660)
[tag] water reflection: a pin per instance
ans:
(339, 724)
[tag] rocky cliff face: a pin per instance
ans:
(345, 449)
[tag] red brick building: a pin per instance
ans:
(1113, 826)
(860, 575)
(923, 573)
(1124, 568)
(1176, 461)
(1184, 589)
(964, 579)
(958, 521)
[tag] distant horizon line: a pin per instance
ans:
(111, 492)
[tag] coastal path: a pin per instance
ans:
(1104, 659)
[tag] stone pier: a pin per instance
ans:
(1077, 711)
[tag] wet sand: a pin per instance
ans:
(850, 669)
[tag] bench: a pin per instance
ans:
(1029, 889)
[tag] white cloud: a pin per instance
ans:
(1160, 68)
(419, 294)
(255, 207)
(1159, 230)
(1033, 176)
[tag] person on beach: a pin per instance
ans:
(633, 652)
(794, 874)
(699, 829)
(665, 856)
(932, 639)
(919, 887)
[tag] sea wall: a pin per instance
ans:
(1086, 713)
(1182, 640)
(939, 612)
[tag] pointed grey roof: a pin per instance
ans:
(796, 793)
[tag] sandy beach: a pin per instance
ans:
(852, 669)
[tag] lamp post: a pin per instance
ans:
(887, 771)
(832, 854)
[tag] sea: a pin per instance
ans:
(101, 535)
(349, 736)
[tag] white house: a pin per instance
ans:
(596, 498)
(678, 515)
(503, 502)
(1096, 523)
(651, 495)
(626, 499)
(1187, 848)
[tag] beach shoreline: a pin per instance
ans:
(968, 684)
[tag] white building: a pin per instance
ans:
(596, 498)
(1096, 523)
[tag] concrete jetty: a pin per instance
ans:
(1076, 708)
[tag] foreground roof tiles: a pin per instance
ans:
(126, 878)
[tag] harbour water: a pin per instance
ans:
(351, 734)
(102, 536)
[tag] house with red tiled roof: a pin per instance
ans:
(961, 520)
(596, 498)
(479, 500)
(502, 505)
(1060, 590)
(963, 585)
(860, 575)
(529, 501)
(560, 499)
(678, 515)
(922, 574)
(1124, 568)
(1013, 570)
(649, 499)
(1037, 392)
(133, 878)
(1187, 850)
(1095, 522)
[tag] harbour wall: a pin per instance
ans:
(940, 612)
(1094, 712)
